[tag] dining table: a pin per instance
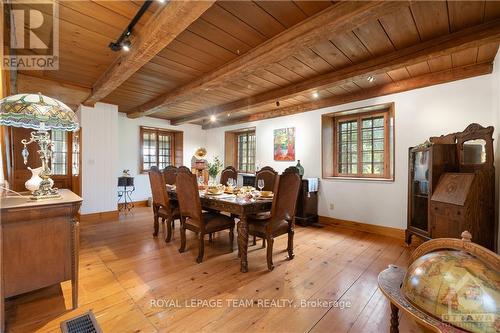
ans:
(237, 207)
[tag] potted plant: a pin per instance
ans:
(214, 169)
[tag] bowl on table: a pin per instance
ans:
(215, 190)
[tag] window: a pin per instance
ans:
(246, 151)
(160, 148)
(359, 143)
(59, 152)
(239, 149)
(75, 165)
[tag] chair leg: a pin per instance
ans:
(291, 232)
(210, 237)
(156, 225)
(231, 238)
(170, 221)
(254, 240)
(201, 247)
(270, 242)
(183, 237)
(263, 243)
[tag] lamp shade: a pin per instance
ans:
(38, 112)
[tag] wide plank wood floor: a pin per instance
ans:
(131, 281)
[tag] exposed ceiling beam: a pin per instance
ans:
(464, 39)
(167, 23)
(421, 81)
(336, 19)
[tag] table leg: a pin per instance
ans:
(394, 319)
(243, 242)
(75, 243)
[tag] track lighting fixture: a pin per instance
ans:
(123, 42)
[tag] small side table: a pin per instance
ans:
(127, 185)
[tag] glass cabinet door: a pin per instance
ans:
(419, 191)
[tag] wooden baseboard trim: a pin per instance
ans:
(99, 216)
(141, 203)
(371, 228)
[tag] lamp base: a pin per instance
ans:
(45, 191)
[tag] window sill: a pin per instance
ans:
(381, 180)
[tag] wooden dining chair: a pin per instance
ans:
(269, 175)
(192, 217)
(228, 172)
(169, 174)
(282, 218)
(161, 203)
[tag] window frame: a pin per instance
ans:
(237, 135)
(157, 132)
(331, 145)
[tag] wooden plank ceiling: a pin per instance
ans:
(230, 29)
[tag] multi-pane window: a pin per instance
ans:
(157, 148)
(246, 151)
(362, 145)
(59, 152)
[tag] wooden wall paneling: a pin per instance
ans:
(491, 10)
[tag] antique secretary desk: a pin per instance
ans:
(451, 187)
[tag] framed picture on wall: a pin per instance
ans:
(284, 144)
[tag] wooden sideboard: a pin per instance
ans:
(38, 245)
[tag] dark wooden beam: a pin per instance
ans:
(338, 18)
(421, 81)
(161, 29)
(461, 40)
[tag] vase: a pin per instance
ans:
(300, 167)
(33, 183)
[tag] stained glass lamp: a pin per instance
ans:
(42, 114)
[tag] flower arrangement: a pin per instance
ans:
(215, 167)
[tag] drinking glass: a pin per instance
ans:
(260, 184)
(229, 182)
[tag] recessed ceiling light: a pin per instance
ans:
(161, 1)
(229, 115)
(370, 78)
(212, 118)
(315, 94)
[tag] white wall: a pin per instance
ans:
(419, 114)
(128, 148)
(99, 157)
(496, 115)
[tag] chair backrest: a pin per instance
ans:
(228, 172)
(158, 188)
(268, 175)
(169, 174)
(286, 194)
(188, 195)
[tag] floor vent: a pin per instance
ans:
(86, 323)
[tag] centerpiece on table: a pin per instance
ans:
(213, 170)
